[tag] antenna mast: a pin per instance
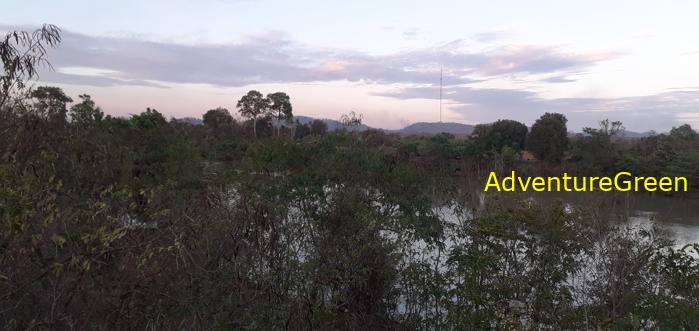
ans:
(440, 94)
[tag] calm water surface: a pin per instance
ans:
(679, 216)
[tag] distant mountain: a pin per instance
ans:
(332, 124)
(435, 128)
(416, 128)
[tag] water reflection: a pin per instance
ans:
(679, 216)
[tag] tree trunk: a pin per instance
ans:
(254, 126)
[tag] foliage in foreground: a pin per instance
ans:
(113, 223)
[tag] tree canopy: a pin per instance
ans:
(22, 53)
(548, 138)
(502, 133)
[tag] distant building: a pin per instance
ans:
(526, 155)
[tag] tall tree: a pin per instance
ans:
(351, 120)
(148, 119)
(548, 138)
(503, 133)
(85, 113)
(254, 106)
(606, 129)
(280, 107)
(50, 102)
(218, 118)
(596, 149)
(684, 132)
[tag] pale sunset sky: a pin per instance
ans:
(634, 61)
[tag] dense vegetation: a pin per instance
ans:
(144, 223)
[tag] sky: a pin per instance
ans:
(634, 61)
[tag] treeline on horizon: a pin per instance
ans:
(503, 145)
(144, 223)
